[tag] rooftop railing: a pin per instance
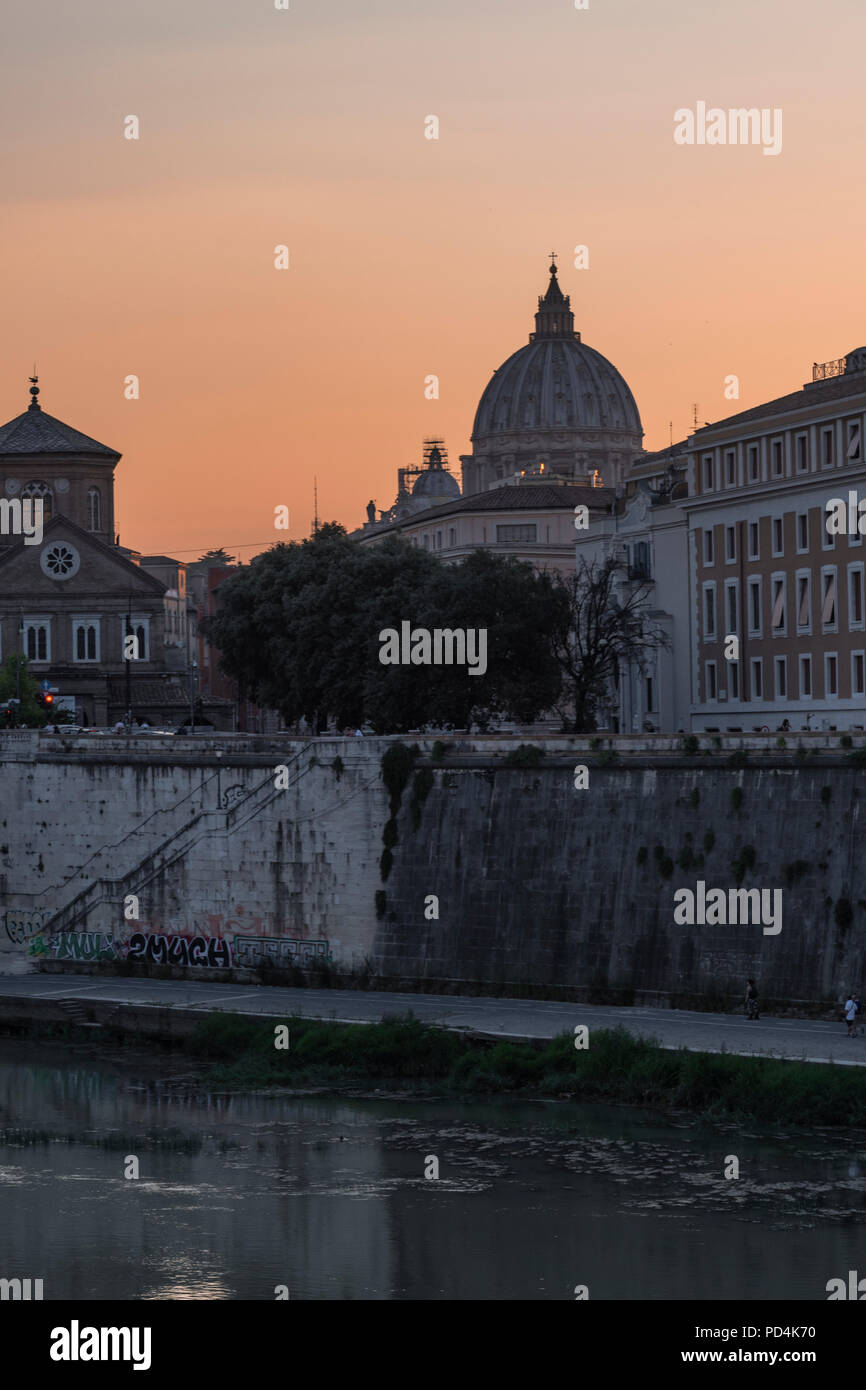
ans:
(822, 370)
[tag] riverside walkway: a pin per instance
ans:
(793, 1039)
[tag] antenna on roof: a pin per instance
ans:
(315, 506)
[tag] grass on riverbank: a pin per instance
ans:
(616, 1067)
(113, 1141)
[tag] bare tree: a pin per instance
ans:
(603, 623)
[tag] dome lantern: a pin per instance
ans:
(554, 318)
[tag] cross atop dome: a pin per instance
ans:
(554, 318)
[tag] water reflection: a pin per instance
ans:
(238, 1195)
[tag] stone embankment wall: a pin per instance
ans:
(188, 856)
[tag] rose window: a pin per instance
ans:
(60, 560)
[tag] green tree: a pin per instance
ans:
(288, 631)
(212, 558)
(23, 686)
(504, 597)
(299, 629)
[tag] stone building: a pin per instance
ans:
(180, 611)
(71, 601)
(644, 531)
(554, 402)
(531, 519)
(764, 606)
(430, 484)
(765, 568)
(556, 427)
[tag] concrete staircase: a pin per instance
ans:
(73, 1012)
(81, 911)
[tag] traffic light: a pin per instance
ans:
(45, 699)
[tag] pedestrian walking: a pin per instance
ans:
(851, 1016)
(752, 1000)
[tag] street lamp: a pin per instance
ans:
(20, 655)
(128, 655)
(192, 675)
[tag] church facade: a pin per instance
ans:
(88, 617)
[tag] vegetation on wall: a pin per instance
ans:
(526, 755)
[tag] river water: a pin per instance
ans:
(240, 1194)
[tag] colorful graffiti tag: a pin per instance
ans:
(159, 948)
(85, 945)
(280, 951)
(212, 951)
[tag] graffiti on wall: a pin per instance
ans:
(280, 951)
(239, 921)
(167, 948)
(22, 924)
(83, 945)
(212, 951)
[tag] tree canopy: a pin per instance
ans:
(212, 559)
(299, 629)
(24, 687)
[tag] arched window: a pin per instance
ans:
(43, 491)
(94, 510)
(86, 631)
(36, 635)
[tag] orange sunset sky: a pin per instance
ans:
(409, 256)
